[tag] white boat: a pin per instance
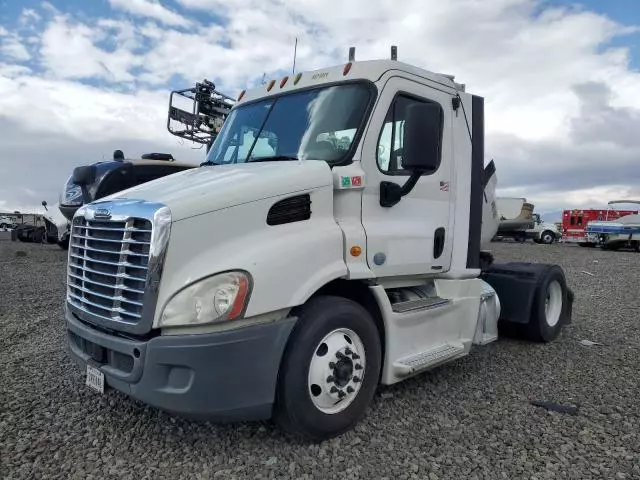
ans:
(624, 232)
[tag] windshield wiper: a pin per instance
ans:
(274, 158)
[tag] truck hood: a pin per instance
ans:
(210, 188)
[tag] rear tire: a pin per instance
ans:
(333, 342)
(550, 307)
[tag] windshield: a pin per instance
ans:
(318, 124)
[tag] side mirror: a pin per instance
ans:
(44, 204)
(422, 137)
(421, 149)
(85, 175)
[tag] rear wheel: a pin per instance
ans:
(330, 369)
(550, 307)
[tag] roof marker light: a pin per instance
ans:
(347, 67)
(241, 95)
(297, 79)
(270, 86)
(283, 81)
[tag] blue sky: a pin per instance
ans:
(560, 78)
(624, 11)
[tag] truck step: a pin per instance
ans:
(420, 304)
(423, 360)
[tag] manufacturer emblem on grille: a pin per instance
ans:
(102, 213)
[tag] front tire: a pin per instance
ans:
(64, 244)
(547, 237)
(330, 369)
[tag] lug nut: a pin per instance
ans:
(333, 389)
(339, 355)
(330, 379)
(332, 365)
(350, 390)
(341, 394)
(348, 351)
(358, 366)
(355, 356)
(356, 379)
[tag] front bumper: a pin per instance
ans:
(225, 376)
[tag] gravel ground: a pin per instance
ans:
(469, 419)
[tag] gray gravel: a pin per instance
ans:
(469, 419)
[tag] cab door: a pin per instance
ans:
(412, 237)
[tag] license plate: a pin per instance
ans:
(95, 379)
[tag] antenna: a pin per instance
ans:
(295, 51)
(263, 81)
(352, 54)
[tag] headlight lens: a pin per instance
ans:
(71, 194)
(211, 300)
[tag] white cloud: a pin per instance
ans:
(151, 9)
(29, 16)
(11, 47)
(69, 51)
(562, 108)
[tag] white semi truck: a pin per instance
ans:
(330, 243)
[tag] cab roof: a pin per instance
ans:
(371, 70)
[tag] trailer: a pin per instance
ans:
(331, 242)
(574, 222)
(614, 234)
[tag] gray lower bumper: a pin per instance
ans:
(222, 376)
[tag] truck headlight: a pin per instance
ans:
(215, 299)
(71, 194)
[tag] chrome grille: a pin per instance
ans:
(108, 267)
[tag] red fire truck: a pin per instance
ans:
(574, 222)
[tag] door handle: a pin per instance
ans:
(438, 242)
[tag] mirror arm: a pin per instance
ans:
(411, 182)
(391, 193)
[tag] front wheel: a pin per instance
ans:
(64, 244)
(330, 369)
(547, 237)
